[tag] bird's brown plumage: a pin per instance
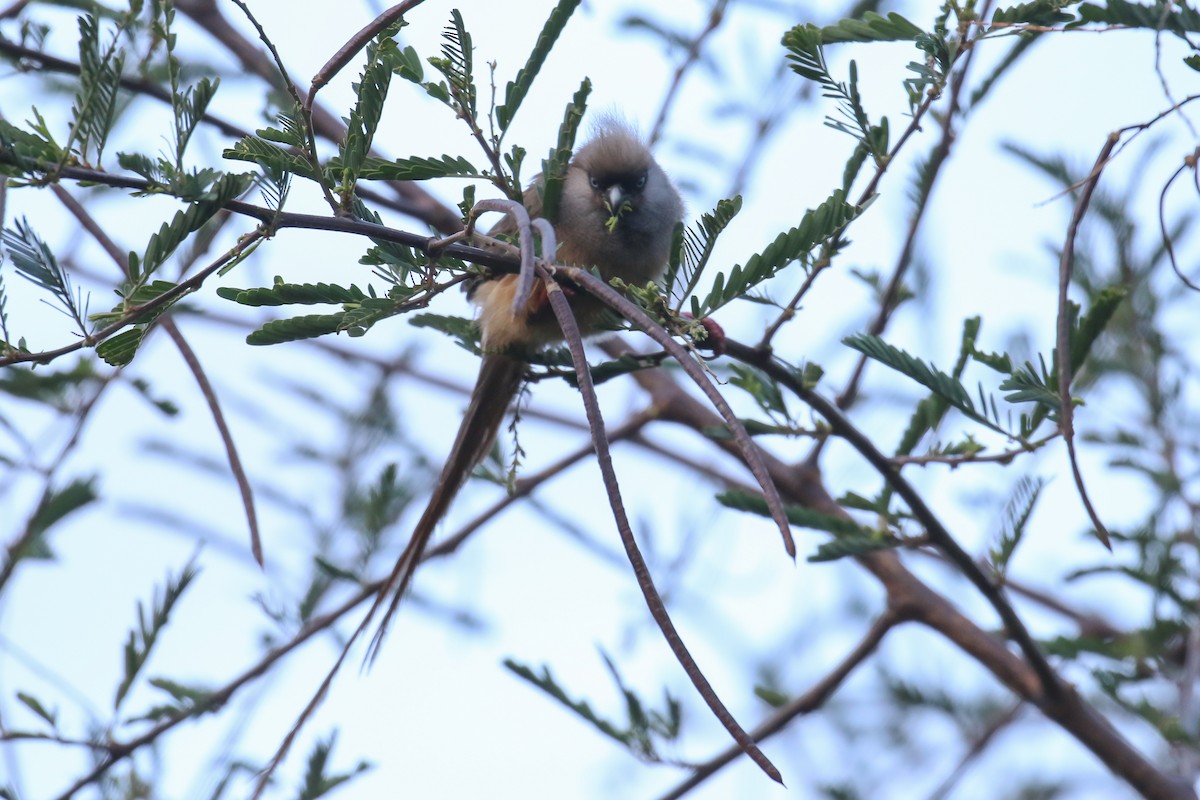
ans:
(613, 175)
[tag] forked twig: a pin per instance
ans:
(351, 48)
(614, 300)
(570, 329)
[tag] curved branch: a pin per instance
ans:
(658, 610)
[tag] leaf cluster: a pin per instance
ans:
(643, 726)
(1025, 383)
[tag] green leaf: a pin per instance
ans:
(316, 782)
(853, 545)
(34, 261)
(53, 387)
(186, 701)
(191, 111)
(854, 164)
(607, 370)
(762, 388)
(457, 64)
(282, 294)
(817, 225)
(772, 697)
(1085, 334)
(930, 411)
(331, 570)
(1044, 13)
(183, 693)
(807, 57)
(270, 157)
(871, 27)
(644, 724)
(1017, 511)
(698, 244)
(933, 379)
(1177, 18)
(142, 639)
(55, 506)
(34, 705)
(466, 331)
(545, 681)
(119, 350)
(371, 91)
(394, 261)
(413, 169)
(156, 171)
(290, 132)
(797, 515)
(189, 220)
(95, 107)
(1027, 384)
(21, 150)
(354, 322)
(516, 90)
(554, 166)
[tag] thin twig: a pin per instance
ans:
(937, 532)
(1189, 162)
(1063, 344)
(309, 151)
(231, 452)
(937, 159)
(997, 724)
(806, 703)
(715, 16)
(106, 243)
(351, 48)
(566, 321)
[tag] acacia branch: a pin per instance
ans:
(910, 598)
(938, 534)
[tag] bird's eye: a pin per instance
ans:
(641, 182)
(596, 183)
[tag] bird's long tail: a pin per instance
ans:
(499, 379)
